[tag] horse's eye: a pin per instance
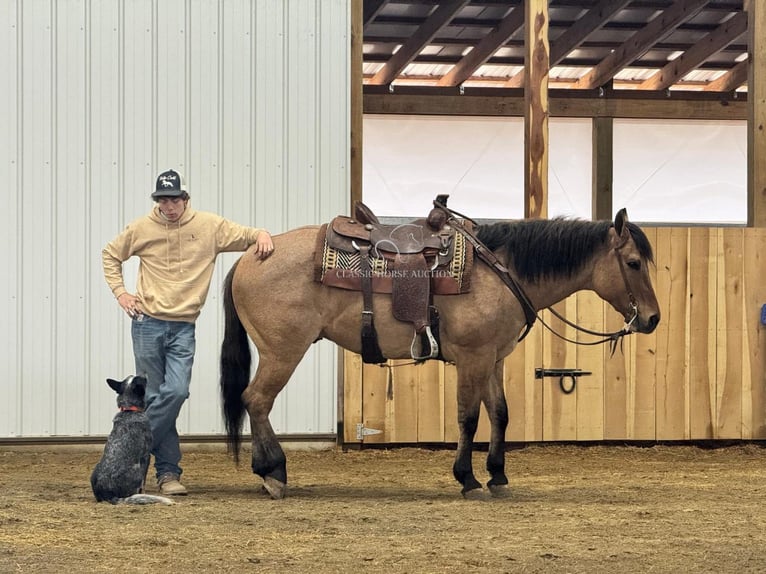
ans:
(635, 265)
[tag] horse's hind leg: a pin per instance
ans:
(497, 409)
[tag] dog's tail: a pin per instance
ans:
(235, 368)
(144, 499)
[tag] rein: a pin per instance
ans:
(530, 313)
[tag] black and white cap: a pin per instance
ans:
(169, 184)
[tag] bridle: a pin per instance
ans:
(530, 313)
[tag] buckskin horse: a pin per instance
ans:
(526, 266)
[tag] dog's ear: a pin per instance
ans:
(116, 385)
(139, 385)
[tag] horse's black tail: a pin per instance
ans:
(235, 369)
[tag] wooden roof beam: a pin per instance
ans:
(714, 42)
(440, 17)
(730, 81)
(574, 36)
(640, 42)
(483, 51)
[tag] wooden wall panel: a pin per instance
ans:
(352, 395)
(533, 356)
(559, 409)
(515, 383)
(402, 413)
(619, 391)
(754, 347)
(590, 389)
(375, 382)
(729, 334)
(430, 401)
(702, 333)
(451, 433)
(671, 377)
(643, 408)
(701, 375)
(523, 392)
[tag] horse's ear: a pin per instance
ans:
(619, 224)
(116, 385)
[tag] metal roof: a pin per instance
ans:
(638, 44)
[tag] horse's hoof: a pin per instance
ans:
(274, 487)
(499, 490)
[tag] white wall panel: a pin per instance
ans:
(37, 204)
(70, 269)
(108, 183)
(10, 367)
(249, 100)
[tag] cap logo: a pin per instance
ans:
(167, 180)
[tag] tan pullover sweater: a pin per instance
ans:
(176, 259)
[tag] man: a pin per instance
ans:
(177, 248)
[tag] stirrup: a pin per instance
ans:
(415, 346)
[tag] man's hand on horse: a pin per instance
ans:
(264, 246)
(130, 305)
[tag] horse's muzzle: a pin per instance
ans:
(647, 326)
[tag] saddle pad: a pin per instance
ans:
(338, 268)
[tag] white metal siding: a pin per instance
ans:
(249, 100)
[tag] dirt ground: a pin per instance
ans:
(571, 509)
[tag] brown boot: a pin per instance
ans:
(171, 486)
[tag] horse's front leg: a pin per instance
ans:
(497, 409)
(468, 404)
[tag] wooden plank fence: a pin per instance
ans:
(700, 375)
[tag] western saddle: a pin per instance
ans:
(411, 261)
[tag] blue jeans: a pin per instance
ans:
(164, 353)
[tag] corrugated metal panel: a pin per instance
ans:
(250, 100)
(10, 174)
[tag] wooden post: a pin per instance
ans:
(357, 31)
(756, 104)
(537, 63)
(602, 168)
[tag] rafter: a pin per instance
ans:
(463, 70)
(573, 37)
(412, 47)
(640, 42)
(701, 51)
(730, 81)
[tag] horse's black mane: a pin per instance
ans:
(559, 247)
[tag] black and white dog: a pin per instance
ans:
(120, 474)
